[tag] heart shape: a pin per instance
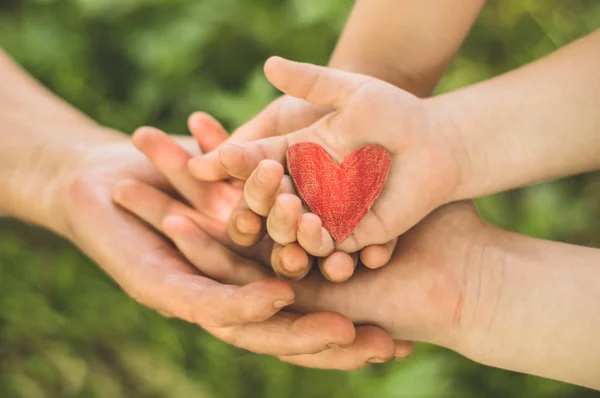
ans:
(341, 195)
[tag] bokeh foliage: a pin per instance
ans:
(66, 330)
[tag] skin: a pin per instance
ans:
(375, 43)
(59, 168)
(443, 149)
(496, 297)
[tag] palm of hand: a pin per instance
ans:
(423, 172)
(430, 262)
(425, 169)
(155, 273)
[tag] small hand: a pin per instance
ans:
(284, 115)
(425, 154)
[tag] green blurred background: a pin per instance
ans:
(66, 330)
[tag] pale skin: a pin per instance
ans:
(373, 43)
(499, 298)
(58, 169)
(464, 144)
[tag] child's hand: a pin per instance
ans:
(425, 168)
(246, 228)
(270, 193)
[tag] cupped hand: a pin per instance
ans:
(426, 157)
(154, 273)
(284, 115)
(427, 292)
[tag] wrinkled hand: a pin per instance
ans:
(155, 273)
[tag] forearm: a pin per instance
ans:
(40, 137)
(404, 42)
(537, 123)
(535, 309)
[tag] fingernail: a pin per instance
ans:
(333, 345)
(282, 303)
(243, 226)
(291, 268)
(262, 176)
(377, 360)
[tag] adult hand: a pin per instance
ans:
(422, 294)
(155, 274)
(221, 264)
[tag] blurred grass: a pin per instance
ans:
(66, 330)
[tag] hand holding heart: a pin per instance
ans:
(423, 172)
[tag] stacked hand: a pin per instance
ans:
(433, 263)
(425, 167)
(245, 310)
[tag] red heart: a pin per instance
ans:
(340, 195)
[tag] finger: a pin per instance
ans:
(261, 188)
(216, 260)
(245, 227)
(290, 261)
(209, 133)
(313, 237)
(376, 256)
(161, 280)
(339, 266)
(171, 160)
(371, 345)
(241, 160)
(403, 349)
(217, 306)
(288, 333)
(208, 167)
(316, 84)
(282, 222)
(153, 272)
(153, 206)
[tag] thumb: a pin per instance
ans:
(315, 84)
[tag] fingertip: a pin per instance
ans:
(403, 349)
(275, 293)
(245, 227)
(290, 261)
(338, 267)
(272, 64)
(381, 347)
(335, 328)
(196, 119)
(273, 168)
(376, 256)
(141, 134)
(209, 132)
(310, 222)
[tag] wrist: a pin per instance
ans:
(34, 170)
(450, 124)
(485, 291)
